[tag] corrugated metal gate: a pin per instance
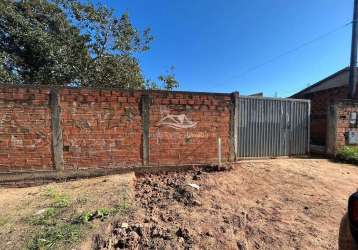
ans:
(270, 127)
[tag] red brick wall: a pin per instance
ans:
(25, 129)
(210, 119)
(343, 109)
(103, 128)
(320, 102)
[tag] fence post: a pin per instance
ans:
(219, 151)
(57, 141)
(145, 126)
(234, 126)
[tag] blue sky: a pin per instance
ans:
(211, 43)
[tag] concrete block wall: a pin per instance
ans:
(43, 128)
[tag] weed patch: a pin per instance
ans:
(60, 200)
(61, 215)
(55, 231)
(46, 218)
(104, 213)
(348, 154)
(54, 236)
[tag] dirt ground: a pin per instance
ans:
(31, 215)
(269, 204)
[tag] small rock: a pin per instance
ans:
(181, 240)
(194, 186)
(40, 211)
(208, 233)
(124, 225)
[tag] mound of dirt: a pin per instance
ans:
(271, 204)
(157, 190)
(145, 236)
(159, 226)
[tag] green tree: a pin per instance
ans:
(67, 42)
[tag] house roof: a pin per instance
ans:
(338, 79)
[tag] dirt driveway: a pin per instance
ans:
(271, 204)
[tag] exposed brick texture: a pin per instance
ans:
(103, 128)
(344, 109)
(100, 128)
(320, 102)
(211, 116)
(25, 129)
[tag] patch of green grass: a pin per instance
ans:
(85, 217)
(104, 213)
(62, 234)
(53, 231)
(60, 200)
(48, 217)
(348, 154)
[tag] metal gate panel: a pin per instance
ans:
(271, 127)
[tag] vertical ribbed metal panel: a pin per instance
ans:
(271, 127)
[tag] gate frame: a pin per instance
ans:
(235, 135)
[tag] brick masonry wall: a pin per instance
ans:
(25, 129)
(101, 128)
(207, 118)
(104, 128)
(320, 102)
(343, 111)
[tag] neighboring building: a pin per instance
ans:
(321, 94)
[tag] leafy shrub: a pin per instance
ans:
(348, 154)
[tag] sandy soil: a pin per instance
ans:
(271, 204)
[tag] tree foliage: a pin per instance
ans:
(68, 42)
